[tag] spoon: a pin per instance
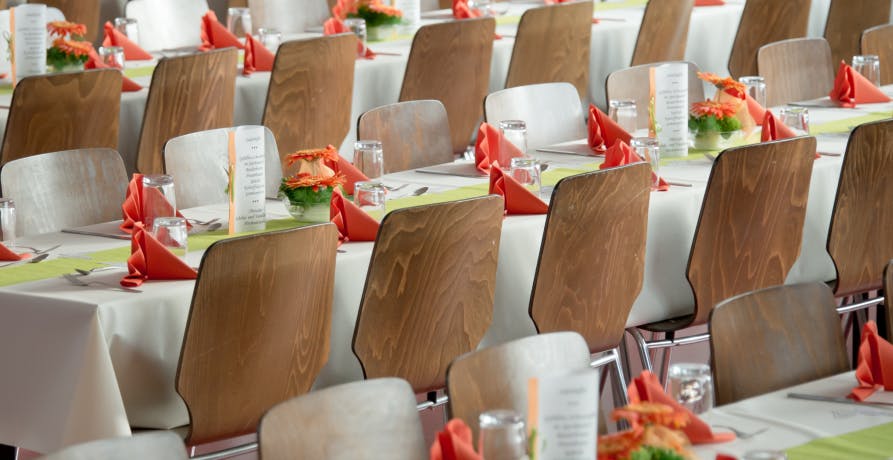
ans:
(83, 272)
(419, 191)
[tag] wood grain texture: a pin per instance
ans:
(847, 19)
(413, 134)
(365, 420)
(143, 446)
(760, 341)
(860, 238)
(552, 45)
(588, 284)
(664, 32)
(633, 83)
(879, 41)
(80, 11)
(763, 22)
(429, 290)
(450, 62)
(72, 188)
(40, 115)
(258, 330)
(552, 111)
(888, 302)
(496, 377)
(309, 98)
(237, 4)
(796, 70)
(188, 94)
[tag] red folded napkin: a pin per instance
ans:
(646, 388)
(132, 51)
(620, 154)
(95, 62)
(851, 88)
(351, 172)
(517, 199)
(488, 145)
(454, 443)
(709, 2)
(462, 11)
(757, 112)
(353, 223)
(603, 131)
(773, 130)
(7, 255)
(215, 35)
(132, 208)
(257, 57)
(875, 369)
(150, 260)
(334, 26)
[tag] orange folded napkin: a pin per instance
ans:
(150, 260)
(353, 223)
(454, 443)
(757, 112)
(603, 131)
(709, 2)
(215, 35)
(851, 88)
(132, 208)
(646, 388)
(620, 154)
(517, 199)
(132, 51)
(334, 26)
(488, 145)
(351, 172)
(257, 57)
(8, 255)
(462, 11)
(875, 369)
(773, 130)
(95, 62)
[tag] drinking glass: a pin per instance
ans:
(623, 112)
(271, 38)
(129, 27)
(369, 158)
(502, 435)
(7, 220)
(238, 21)
(515, 132)
(172, 233)
(756, 88)
(869, 65)
(112, 56)
(159, 199)
(648, 148)
(797, 118)
(369, 196)
(527, 172)
(481, 6)
(358, 27)
(692, 386)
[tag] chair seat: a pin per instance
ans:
(669, 325)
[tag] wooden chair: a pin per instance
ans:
(595, 302)
(309, 99)
(429, 290)
(287, 16)
(796, 70)
(664, 32)
(757, 190)
(40, 115)
(762, 22)
(552, 45)
(65, 189)
(363, 420)
(201, 161)
(888, 311)
(258, 330)
(168, 24)
(188, 94)
(81, 11)
(496, 377)
(764, 330)
(879, 41)
(846, 21)
(633, 83)
(143, 446)
(450, 62)
(552, 112)
(413, 134)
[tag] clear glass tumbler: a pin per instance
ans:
(527, 172)
(7, 220)
(796, 118)
(159, 199)
(691, 384)
(238, 21)
(129, 27)
(514, 132)
(756, 88)
(172, 232)
(648, 148)
(623, 112)
(112, 56)
(358, 27)
(368, 156)
(271, 38)
(369, 196)
(869, 65)
(502, 435)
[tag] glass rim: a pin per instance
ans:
(158, 179)
(125, 20)
(751, 79)
(621, 103)
(867, 57)
(168, 220)
(688, 370)
(268, 30)
(7, 202)
(499, 417)
(791, 109)
(368, 185)
(238, 9)
(651, 142)
(110, 49)
(512, 124)
(523, 162)
(366, 144)
(350, 21)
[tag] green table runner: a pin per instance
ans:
(847, 124)
(869, 444)
(607, 6)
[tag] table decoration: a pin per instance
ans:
(851, 88)
(875, 368)
(70, 50)
(714, 126)
(257, 57)
(603, 131)
(215, 35)
(517, 198)
(734, 92)
(132, 51)
(351, 173)
(654, 434)
(353, 223)
(620, 153)
(461, 10)
(151, 260)
(307, 193)
(381, 20)
(490, 147)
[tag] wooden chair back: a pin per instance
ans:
(80, 11)
(65, 189)
(309, 98)
(287, 16)
(364, 420)
(168, 24)
(764, 330)
(413, 134)
(552, 111)
(450, 62)
(429, 290)
(633, 83)
(188, 94)
(595, 302)
(860, 238)
(258, 330)
(796, 70)
(762, 22)
(879, 41)
(751, 223)
(552, 45)
(847, 19)
(143, 446)
(888, 292)
(40, 115)
(664, 32)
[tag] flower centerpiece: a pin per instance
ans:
(732, 91)
(380, 19)
(713, 125)
(653, 434)
(307, 193)
(70, 49)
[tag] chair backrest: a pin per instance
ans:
(188, 94)
(879, 41)
(64, 189)
(288, 16)
(888, 291)
(664, 32)
(40, 115)
(450, 62)
(201, 160)
(847, 19)
(795, 70)
(429, 290)
(258, 330)
(167, 24)
(594, 302)
(496, 377)
(413, 134)
(633, 83)
(81, 11)
(552, 111)
(767, 330)
(552, 45)
(143, 446)
(363, 420)
(309, 98)
(762, 22)
(860, 241)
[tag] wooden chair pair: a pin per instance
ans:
(847, 19)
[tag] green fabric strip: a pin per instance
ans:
(6, 88)
(606, 6)
(846, 125)
(508, 20)
(137, 72)
(869, 444)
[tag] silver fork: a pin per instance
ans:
(202, 222)
(73, 279)
(741, 434)
(394, 189)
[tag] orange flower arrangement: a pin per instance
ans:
(314, 182)
(727, 84)
(653, 433)
(63, 28)
(69, 47)
(72, 47)
(718, 110)
(373, 11)
(327, 153)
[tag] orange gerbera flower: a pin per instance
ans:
(384, 9)
(621, 444)
(316, 182)
(73, 47)
(328, 153)
(713, 108)
(63, 28)
(343, 8)
(648, 413)
(727, 84)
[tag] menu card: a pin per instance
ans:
(562, 415)
(669, 93)
(28, 41)
(247, 180)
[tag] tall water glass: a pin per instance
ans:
(648, 148)
(172, 233)
(270, 38)
(369, 196)
(129, 27)
(7, 220)
(238, 21)
(756, 88)
(514, 132)
(112, 56)
(368, 156)
(159, 199)
(869, 65)
(502, 436)
(623, 112)
(691, 385)
(358, 27)
(480, 6)
(796, 118)
(527, 172)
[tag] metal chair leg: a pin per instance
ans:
(642, 345)
(620, 397)
(665, 365)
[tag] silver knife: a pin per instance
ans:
(834, 399)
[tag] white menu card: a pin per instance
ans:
(669, 90)
(562, 415)
(247, 185)
(28, 26)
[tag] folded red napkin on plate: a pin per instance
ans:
(462, 11)
(488, 145)
(215, 35)
(7, 255)
(454, 443)
(774, 130)
(757, 112)
(257, 57)
(334, 26)
(646, 388)
(851, 88)
(709, 2)
(351, 172)
(517, 199)
(603, 131)
(353, 223)
(95, 62)
(875, 369)
(132, 208)
(150, 260)
(132, 51)
(620, 154)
